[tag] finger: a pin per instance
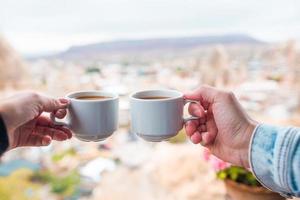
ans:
(202, 120)
(205, 104)
(212, 130)
(47, 122)
(51, 105)
(66, 130)
(196, 110)
(196, 138)
(46, 140)
(191, 127)
(202, 128)
(37, 140)
(204, 93)
(208, 138)
(44, 121)
(55, 134)
(61, 113)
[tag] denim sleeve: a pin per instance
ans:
(275, 158)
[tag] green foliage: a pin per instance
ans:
(238, 174)
(62, 185)
(65, 185)
(117, 161)
(60, 156)
(18, 186)
(91, 70)
(179, 68)
(125, 63)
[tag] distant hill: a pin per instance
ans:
(135, 46)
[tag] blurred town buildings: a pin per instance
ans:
(264, 76)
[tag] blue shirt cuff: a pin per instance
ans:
(270, 151)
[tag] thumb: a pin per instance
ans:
(51, 104)
(204, 93)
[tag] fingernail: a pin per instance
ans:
(63, 101)
(202, 143)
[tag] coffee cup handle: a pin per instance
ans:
(58, 123)
(186, 119)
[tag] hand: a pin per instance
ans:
(25, 123)
(223, 127)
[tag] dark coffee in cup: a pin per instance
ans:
(92, 115)
(92, 97)
(157, 115)
(154, 97)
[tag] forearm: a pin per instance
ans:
(275, 158)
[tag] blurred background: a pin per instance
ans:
(58, 46)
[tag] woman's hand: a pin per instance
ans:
(26, 126)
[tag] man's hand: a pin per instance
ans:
(223, 127)
(26, 126)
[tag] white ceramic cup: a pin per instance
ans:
(91, 120)
(156, 120)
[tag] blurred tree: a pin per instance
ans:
(217, 71)
(292, 58)
(289, 52)
(12, 72)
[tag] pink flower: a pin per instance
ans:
(216, 163)
(206, 154)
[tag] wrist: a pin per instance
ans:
(244, 153)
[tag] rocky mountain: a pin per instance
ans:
(151, 45)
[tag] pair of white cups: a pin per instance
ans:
(154, 120)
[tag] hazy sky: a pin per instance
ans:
(37, 26)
